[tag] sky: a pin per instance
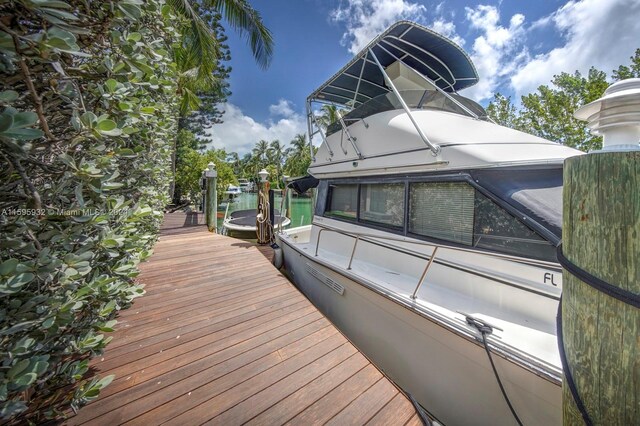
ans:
(516, 46)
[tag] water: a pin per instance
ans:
(301, 213)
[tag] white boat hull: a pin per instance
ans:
(448, 373)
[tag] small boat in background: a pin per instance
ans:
(232, 191)
(246, 185)
(245, 221)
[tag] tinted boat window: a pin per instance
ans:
(343, 201)
(535, 192)
(442, 210)
(383, 204)
(496, 229)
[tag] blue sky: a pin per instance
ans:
(516, 45)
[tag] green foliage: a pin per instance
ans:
(211, 96)
(631, 71)
(299, 158)
(548, 113)
(191, 163)
(88, 99)
(328, 115)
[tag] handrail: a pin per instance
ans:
(353, 251)
(435, 148)
(351, 138)
(282, 211)
(222, 229)
(311, 120)
(430, 81)
(424, 243)
(366, 125)
(424, 273)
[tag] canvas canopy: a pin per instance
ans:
(427, 52)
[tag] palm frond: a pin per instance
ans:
(245, 19)
(189, 102)
(199, 39)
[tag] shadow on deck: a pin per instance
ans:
(221, 337)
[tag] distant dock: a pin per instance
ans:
(222, 337)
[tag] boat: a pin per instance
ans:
(244, 221)
(233, 191)
(246, 185)
(433, 242)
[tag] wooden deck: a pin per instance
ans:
(221, 337)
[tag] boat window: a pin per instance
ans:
(442, 210)
(415, 99)
(343, 201)
(496, 229)
(383, 204)
(535, 192)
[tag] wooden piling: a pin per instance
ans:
(211, 199)
(601, 234)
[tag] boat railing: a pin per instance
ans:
(358, 236)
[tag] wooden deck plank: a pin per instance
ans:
(195, 405)
(191, 351)
(414, 421)
(222, 337)
(285, 409)
(366, 405)
(173, 339)
(162, 389)
(257, 403)
(398, 411)
(333, 402)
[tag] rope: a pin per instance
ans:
(567, 371)
(485, 330)
(422, 414)
(264, 232)
(616, 292)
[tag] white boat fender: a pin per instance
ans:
(278, 256)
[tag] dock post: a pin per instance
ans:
(600, 319)
(262, 216)
(211, 210)
(289, 197)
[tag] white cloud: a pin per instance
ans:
(493, 51)
(239, 132)
(282, 108)
(365, 19)
(496, 51)
(597, 33)
(447, 29)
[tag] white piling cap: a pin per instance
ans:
(616, 116)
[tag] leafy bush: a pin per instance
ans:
(191, 163)
(88, 107)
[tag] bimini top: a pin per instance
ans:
(422, 49)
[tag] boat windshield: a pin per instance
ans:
(415, 99)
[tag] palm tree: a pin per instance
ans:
(328, 114)
(260, 150)
(299, 145)
(198, 55)
(299, 156)
(276, 155)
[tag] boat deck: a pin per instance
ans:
(222, 337)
